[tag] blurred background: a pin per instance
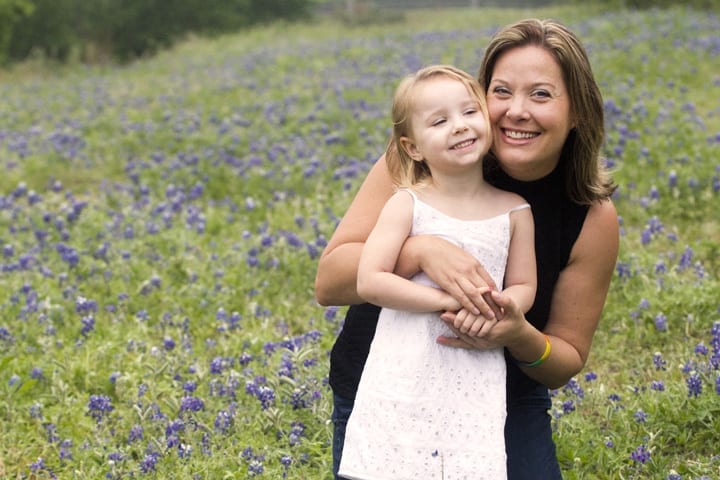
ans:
(100, 31)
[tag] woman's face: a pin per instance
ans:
(529, 111)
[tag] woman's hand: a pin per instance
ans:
(452, 269)
(482, 333)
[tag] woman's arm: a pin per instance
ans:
(577, 301)
(376, 281)
(575, 311)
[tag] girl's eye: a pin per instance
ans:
(437, 122)
(470, 111)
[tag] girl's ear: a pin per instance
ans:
(411, 149)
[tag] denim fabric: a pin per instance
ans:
(528, 438)
(342, 407)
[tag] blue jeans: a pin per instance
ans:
(528, 437)
(342, 408)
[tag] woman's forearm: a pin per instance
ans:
(336, 279)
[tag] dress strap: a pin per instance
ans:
(405, 189)
(520, 207)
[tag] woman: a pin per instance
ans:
(547, 120)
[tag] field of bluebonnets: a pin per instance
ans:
(162, 222)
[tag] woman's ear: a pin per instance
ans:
(411, 149)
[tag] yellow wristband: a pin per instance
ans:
(542, 358)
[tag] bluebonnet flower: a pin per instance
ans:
(51, 432)
(297, 432)
(568, 406)
(694, 384)
(115, 457)
(39, 466)
(673, 476)
(590, 376)
(255, 467)
(574, 387)
(142, 389)
(658, 361)
(168, 343)
(623, 270)
(701, 349)
(99, 406)
(661, 322)
(331, 313)
(149, 462)
(245, 358)
(640, 455)
(65, 452)
(640, 416)
(657, 385)
(36, 411)
(136, 433)
(6, 336)
(88, 323)
(36, 373)
(685, 259)
(223, 421)
(191, 404)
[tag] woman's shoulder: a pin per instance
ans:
(600, 232)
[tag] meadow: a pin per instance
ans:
(161, 222)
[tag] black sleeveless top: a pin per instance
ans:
(558, 222)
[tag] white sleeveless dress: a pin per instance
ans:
(422, 410)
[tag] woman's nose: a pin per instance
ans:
(516, 109)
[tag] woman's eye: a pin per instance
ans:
(541, 93)
(501, 91)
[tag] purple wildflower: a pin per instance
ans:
(694, 384)
(641, 455)
(136, 433)
(661, 322)
(640, 416)
(660, 364)
(191, 404)
(149, 462)
(99, 406)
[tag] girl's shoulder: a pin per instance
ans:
(510, 201)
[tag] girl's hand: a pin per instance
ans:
(473, 325)
(501, 332)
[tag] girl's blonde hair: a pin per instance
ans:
(405, 171)
(587, 179)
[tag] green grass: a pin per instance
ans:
(161, 224)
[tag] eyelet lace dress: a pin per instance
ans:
(422, 410)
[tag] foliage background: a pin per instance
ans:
(161, 222)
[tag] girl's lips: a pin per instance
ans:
(463, 144)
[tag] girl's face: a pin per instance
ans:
(449, 130)
(529, 111)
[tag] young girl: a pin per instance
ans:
(423, 410)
